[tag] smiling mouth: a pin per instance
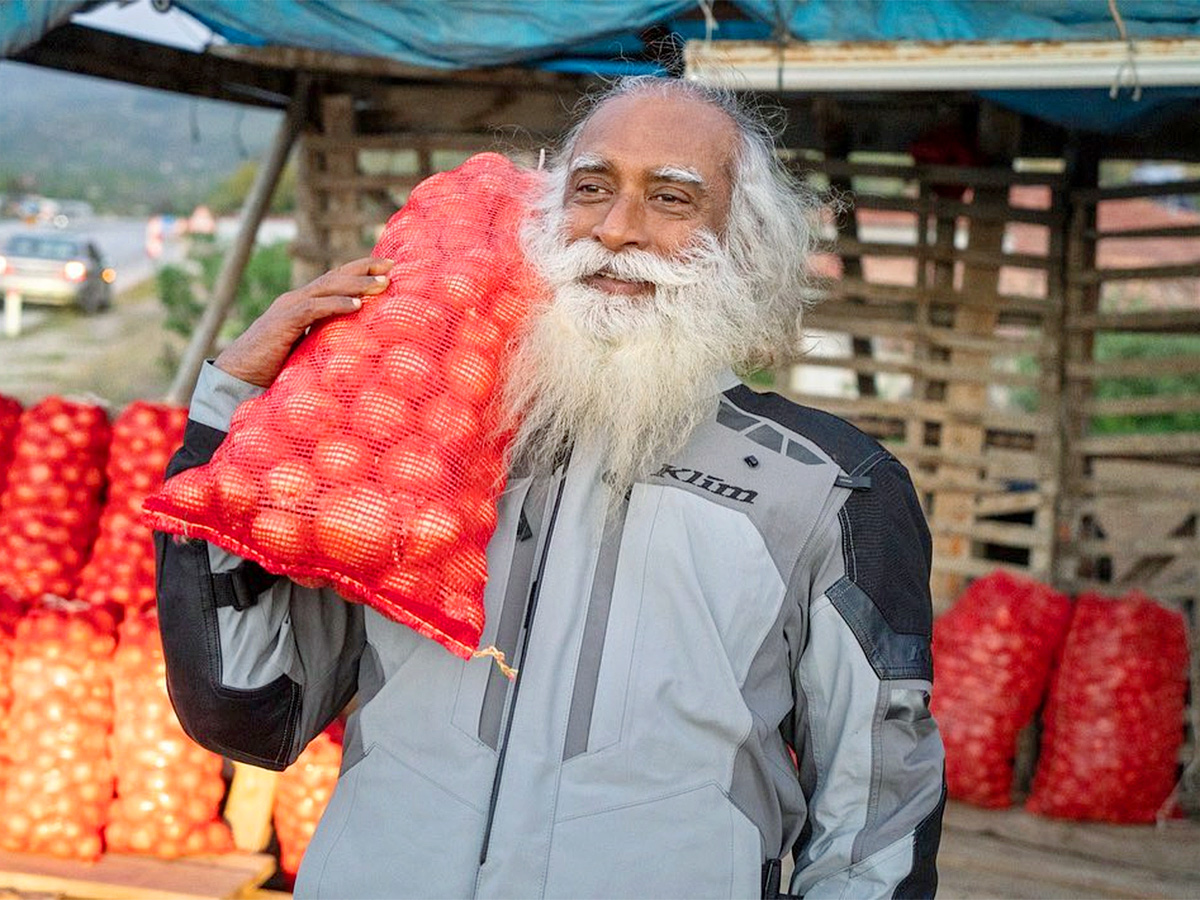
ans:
(611, 284)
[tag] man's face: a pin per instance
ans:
(649, 173)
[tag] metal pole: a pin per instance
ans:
(234, 265)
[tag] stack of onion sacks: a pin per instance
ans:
(60, 781)
(50, 508)
(10, 417)
(373, 463)
(992, 656)
(302, 793)
(121, 567)
(10, 614)
(1114, 718)
(169, 789)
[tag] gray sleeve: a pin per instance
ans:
(255, 681)
(871, 758)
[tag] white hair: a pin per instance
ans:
(773, 221)
(636, 378)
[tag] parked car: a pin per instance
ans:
(56, 268)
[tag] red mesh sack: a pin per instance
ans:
(10, 416)
(60, 780)
(301, 795)
(373, 463)
(50, 507)
(10, 613)
(1113, 724)
(121, 567)
(992, 656)
(169, 789)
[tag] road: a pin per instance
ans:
(114, 357)
(121, 240)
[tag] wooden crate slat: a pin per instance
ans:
(972, 567)
(1136, 368)
(853, 288)
(126, 877)
(1134, 234)
(975, 212)
(850, 247)
(933, 174)
(1092, 196)
(1166, 546)
(1139, 273)
(996, 533)
(1170, 320)
(1141, 444)
(935, 371)
(1144, 406)
(928, 410)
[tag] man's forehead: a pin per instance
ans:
(666, 136)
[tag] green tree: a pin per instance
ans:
(184, 289)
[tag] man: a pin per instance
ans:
(695, 581)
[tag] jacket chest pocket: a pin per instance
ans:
(673, 624)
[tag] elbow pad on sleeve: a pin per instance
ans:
(255, 726)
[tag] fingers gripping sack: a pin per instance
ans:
(373, 462)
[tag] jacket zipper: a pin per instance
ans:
(526, 627)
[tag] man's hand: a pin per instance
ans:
(260, 352)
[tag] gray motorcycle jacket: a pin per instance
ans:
(763, 593)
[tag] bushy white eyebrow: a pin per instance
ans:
(592, 162)
(679, 174)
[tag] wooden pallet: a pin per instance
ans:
(119, 876)
(1011, 854)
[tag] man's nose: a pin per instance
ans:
(623, 225)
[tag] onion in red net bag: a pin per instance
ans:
(373, 462)
(60, 778)
(10, 613)
(992, 656)
(302, 793)
(10, 416)
(50, 507)
(121, 567)
(1114, 719)
(169, 789)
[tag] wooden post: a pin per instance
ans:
(234, 264)
(250, 805)
(962, 433)
(345, 232)
(12, 314)
(305, 264)
(1080, 300)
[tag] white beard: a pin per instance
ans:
(633, 376)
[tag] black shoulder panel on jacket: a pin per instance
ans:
(254, 726)
(200, 442)
(887, 549)
(249, 726)
(853, 450)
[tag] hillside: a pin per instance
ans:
(123, 148)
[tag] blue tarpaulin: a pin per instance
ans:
(607, 36)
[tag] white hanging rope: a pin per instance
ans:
(1129, 64)
(710, 19)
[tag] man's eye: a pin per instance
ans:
(670, 198)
